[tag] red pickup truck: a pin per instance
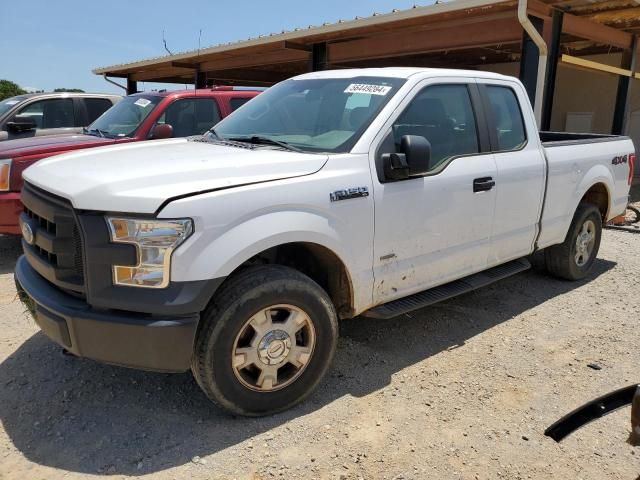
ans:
(142, 116)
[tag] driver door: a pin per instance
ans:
(435, 228)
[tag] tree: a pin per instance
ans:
(74, 90)
(10, 89)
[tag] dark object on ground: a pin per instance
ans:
(599, 408)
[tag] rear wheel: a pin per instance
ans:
(573, 259)
(267, 339)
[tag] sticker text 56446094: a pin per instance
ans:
(367, 89)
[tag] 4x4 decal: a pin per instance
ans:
(619, 160)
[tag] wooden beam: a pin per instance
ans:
(190, 66)
(296, 46)
(601, 67)
(479, 34)
(619, 18)
(241, 61)
(250, 75)
(597, 32)
(539, 9)
(151, 75)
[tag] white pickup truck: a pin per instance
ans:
(339, 193)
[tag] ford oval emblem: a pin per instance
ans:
(27, 233)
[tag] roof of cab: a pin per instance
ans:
(400, 72)
(209, 92)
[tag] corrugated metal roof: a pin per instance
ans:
(311, 30)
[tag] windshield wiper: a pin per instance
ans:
(259, 140)
(101, 133)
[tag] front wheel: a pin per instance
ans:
(266, 341)
(573, 259)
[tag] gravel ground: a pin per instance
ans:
(462, 390)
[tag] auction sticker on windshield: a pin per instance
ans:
(142, 102)
(368, 89)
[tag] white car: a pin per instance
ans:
(333, 194)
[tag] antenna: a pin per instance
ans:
(197, 70)
(164, 41)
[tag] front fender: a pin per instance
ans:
(209, 254)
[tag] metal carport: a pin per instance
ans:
(456, 34)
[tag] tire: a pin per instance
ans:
(564, 260)
(252, 313)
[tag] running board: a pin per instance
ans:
(448, 290)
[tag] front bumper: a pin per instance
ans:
(112, 336)
(10, 208)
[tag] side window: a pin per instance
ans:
(442, 114)
(191, 116)
(53, 113)
(96, 107)
(508, 118)
(237, 102)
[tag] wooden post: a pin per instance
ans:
(552, 69)
(621, 112)
(132, 86)
(319, 57)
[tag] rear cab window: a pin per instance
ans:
(508, 122)
(96, 107)
(236, 102)
(191, 116)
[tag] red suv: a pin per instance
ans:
(142, 116)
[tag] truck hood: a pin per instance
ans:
(140, 177)
(49, 144)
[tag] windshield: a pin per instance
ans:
(124, 118)
(8, 103)
(318, 115)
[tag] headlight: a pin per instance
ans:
(155, 240)
(5, 174)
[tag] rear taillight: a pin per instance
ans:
(5, 174)
(632, 166)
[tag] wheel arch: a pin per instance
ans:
(595, 188)
(317, 250)
(316, 261)
(599, 196)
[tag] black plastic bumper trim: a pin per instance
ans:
(121, 338)
(178, 298)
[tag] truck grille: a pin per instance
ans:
(55, 250)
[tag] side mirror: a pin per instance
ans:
(160, 131)
(413, 159)
(21, 123)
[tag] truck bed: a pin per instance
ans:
(556, 139)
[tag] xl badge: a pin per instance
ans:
(348, 193)
(27, 232)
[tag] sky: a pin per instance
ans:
(49, 44)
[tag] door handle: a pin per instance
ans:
(483, 184)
